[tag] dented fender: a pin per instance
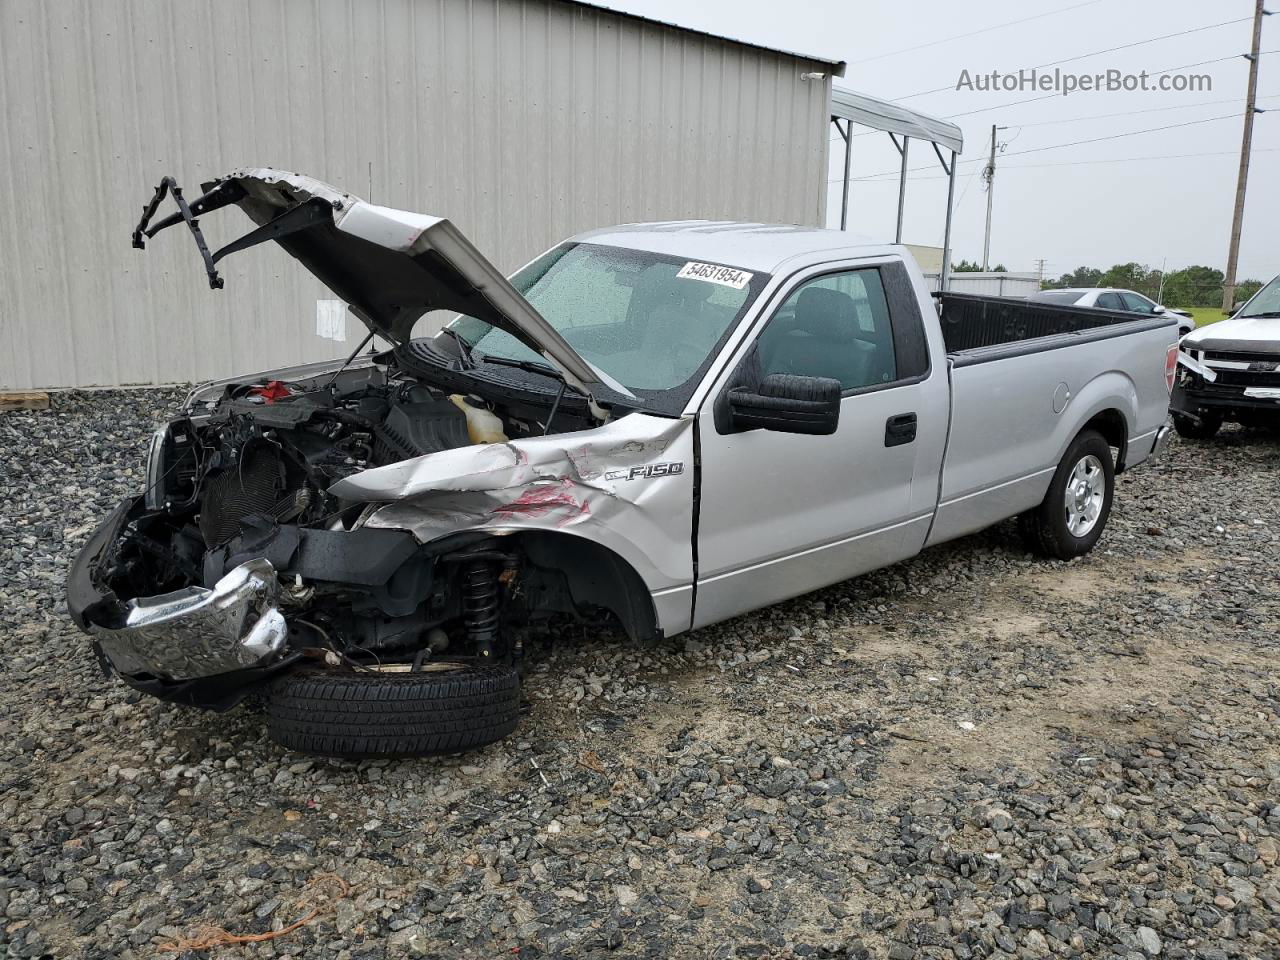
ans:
(627, 485)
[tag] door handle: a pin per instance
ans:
(900, 429)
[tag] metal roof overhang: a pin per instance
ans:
(893, 118)
(897, 121)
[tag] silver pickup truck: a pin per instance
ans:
(657, 426)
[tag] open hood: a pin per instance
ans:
(391, 266)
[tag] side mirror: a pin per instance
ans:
(1236, 308)
(787, 404)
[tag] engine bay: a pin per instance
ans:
(247, 473)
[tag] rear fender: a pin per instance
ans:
(1107, 403)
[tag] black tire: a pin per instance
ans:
(1045, 528)
(1203, 429)
(346, 714)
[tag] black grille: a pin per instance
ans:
(1235, 356)
(254, 485)
(1246, 378)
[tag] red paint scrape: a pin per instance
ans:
(538, 502)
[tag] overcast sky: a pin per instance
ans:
(1075, 205)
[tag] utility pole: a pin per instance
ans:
(1237, 221)
(989, 175)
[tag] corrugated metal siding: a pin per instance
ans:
(990, 284)
(524, 122)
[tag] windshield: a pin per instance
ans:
(652, 322)
(1265, 302)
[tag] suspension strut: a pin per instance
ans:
(480, 606)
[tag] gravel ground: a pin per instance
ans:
(973, 754)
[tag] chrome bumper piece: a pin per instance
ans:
(195, 632)
(1161, 446)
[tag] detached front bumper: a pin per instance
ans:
(197, 632)
(1196, 398)
(196, 646)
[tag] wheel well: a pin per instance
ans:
(595, 577)
(1114, 429)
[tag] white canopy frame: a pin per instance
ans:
(851, 108)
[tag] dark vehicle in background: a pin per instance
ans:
(1109, 298)
(1230, 371)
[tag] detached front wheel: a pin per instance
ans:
(1074, 512)
(446, 708)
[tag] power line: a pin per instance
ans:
(1095, 116)
(1130, 113)
(964, 36)
(1129, 133)
(1051, 96)
(1085, 56)
(1159, 73)
(1143, 43)
(884, 178)
(1073, 143)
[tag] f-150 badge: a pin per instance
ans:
(647, 471)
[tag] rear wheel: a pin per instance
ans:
(1074, 512)
(1203, 428)
(446, 708)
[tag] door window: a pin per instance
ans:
(1137, 304)
(1110, 301)
(834, 326)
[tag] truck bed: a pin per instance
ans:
(1025, 378)
(976, 328)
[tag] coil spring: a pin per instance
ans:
(480, 606)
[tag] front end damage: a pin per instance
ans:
(413, 515)
(360, 526)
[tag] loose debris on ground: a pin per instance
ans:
(973, 754)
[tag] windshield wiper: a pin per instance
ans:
(545, 369)
(464, 349)
(1267, 314)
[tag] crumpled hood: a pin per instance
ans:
(1239, 334)
(392, 266)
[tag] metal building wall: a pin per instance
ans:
(522, 120)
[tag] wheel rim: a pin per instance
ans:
(1086, 491)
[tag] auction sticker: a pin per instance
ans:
(711, 273)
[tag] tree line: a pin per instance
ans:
(1189, 287)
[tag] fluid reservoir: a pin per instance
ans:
(483, 426)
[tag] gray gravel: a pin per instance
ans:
(973, 754)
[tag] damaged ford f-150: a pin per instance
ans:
(659, 426)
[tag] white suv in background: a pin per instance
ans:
(1109, 298)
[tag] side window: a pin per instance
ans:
(1110, 301)
(834, 326)
(1137, 304)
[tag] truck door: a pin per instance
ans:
(782, 513)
